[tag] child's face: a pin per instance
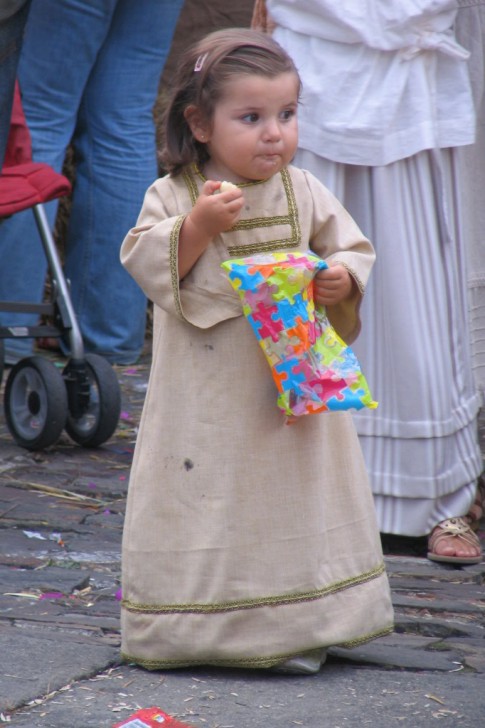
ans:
(254, 130)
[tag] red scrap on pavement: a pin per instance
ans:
(151, 718)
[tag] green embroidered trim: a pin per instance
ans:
(237, 251)
(367, 638)
(250, 662)
(199, 174)
(257, 222)
(256, 662)
(291, 219)
(253, 603)
(173, 258)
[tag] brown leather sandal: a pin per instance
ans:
(458, 529)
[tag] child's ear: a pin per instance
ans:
(198, 123)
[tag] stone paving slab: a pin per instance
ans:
(41, 662)
(401, 656)
(400, 566)
(447, 604)
(419, 652)
(48, 579)
(61, 517)
(443, 626)
(339, 696)
(89, 544)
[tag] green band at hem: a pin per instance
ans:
(278, 600)
(248, 662)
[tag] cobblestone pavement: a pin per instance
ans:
(61, 515)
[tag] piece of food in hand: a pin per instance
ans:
(226, 186)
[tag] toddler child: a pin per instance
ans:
(247, 543)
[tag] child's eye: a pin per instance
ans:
(251, 118)
(287, 114)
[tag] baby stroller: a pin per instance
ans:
(40, 400)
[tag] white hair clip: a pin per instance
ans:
(200, 62)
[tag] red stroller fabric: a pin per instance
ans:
(24, 183)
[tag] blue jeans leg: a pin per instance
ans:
(115, 61)
(51, 94)
(11, 34)
(116, 162)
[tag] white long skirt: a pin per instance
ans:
(470, 32)
(421, 444)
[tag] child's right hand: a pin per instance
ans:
(214, 213)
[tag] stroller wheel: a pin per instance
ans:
(94, 401)
(35, 403)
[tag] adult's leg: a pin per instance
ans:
(420, 445)
(422, 449)
(116, 162)
(470, 31)
(61, 44)
(11, 34)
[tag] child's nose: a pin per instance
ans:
(272, 129)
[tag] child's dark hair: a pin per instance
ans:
(202, 74)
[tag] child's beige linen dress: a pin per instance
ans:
(246, 540)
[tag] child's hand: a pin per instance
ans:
(332, 285)
(215, 213)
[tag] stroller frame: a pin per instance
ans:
(59, 308)
(39, 401)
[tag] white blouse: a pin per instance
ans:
(382, 79)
